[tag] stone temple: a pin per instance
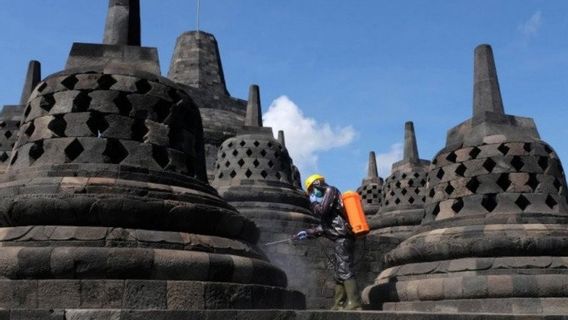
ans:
(11, 115)
(125, 194)
(254, 173)
(493, 238)
(106, 202)
(404, 192)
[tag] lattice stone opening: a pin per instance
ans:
(105, 82)
(36, 150)
(503, 149)
(122, 103)
(527, 147)
(504, 182)
(532, 181)
(522, 202)
(474, 152)
(264, 174)
(27, 111)
(543, 163)
(42, 87)
(47, 102)
(256, 163)
(404, 192)
(241, 162)
(242, 143)
(460, 170)
(82, 102)
(449, 189)
(70, 82)
(58, 125)
(517, 163)
(473, 184)
(97, 123)
(138, 130)
(557, 184)
(489, 165)
(489, 202)
(73, 150)
(440, 173)
(3, 157)
(458, 204)
(162, 110)
(256, 143)
(160, 155)
(30, 129)
(249, 152)
(7, 134)
(114, 151)
(550, 202)
(14, 158)
(143, 86)
(452, 157)
(248, 173)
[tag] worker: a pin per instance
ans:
(334, 226)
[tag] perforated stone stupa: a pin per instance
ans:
(404, 192)
(495, 229)
(106, 205)
(371, 189)
(11, 115)
(254, 174)
(196, 66)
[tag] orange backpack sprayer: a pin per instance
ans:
(355, 214)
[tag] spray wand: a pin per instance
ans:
(302, 235)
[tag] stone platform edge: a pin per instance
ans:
(98, 314)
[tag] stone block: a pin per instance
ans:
(145, 294)
(54, 294)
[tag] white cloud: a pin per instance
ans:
(385, 160)
(305, 137)
(531, 27)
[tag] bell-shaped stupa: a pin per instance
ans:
(254, 173)
(106, 204)
(196, 66)
(495, 231)
(371, 188)
(11, 115)
(404, 192)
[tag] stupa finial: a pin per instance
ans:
(254, 111)
(410, 146)
(33, 77)
(123, 23)
(372, 170)
(486, 92)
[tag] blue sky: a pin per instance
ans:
(361, 67)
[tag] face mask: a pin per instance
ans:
(318, 193)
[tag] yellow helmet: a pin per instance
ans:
(311, 179)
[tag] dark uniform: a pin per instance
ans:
(335, 227)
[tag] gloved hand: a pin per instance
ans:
(302, 235)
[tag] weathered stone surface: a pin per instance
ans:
(196, 67)
(254, 174)
(106, 202)
(12, 115)
(492, 237)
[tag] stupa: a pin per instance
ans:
(495, 229)
(106, 203)
(11, 115)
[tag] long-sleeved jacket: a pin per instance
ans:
(333, 222)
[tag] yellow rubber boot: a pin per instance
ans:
(353, 299)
